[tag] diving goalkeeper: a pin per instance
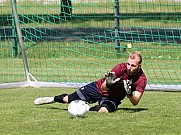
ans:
(124, 80)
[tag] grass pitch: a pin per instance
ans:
(157, 113)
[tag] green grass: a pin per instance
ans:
(158, 113)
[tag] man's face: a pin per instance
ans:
(133, 66)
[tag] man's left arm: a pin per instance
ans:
(135, 97)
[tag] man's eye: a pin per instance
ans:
(133, 65)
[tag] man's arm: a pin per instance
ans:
(110, 80)
(135, 97)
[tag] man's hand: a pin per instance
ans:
(110, 78)
(127, 86)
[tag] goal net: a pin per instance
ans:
(68, 43)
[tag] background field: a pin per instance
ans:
(80, 49)
(157, 114)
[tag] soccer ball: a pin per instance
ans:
(78, 108)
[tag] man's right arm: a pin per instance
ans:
(110, 80)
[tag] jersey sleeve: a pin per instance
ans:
(141, 85)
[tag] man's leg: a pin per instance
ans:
(105, 106)
(88, 93)
(64, 98)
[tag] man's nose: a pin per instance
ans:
(129, 67)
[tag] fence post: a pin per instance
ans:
(14, 37)
(66, 9)
(116, 20)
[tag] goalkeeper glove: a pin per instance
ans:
(127, 87)
(110, 79)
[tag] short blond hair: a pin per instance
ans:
(135, 54)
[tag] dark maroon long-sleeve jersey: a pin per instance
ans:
(117, 90)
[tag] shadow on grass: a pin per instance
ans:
(133, 110)
(56, 108)
(129, 110)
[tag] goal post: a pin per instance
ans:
(59, 51)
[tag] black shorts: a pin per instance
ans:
(91, 94)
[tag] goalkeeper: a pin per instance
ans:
(124, 80)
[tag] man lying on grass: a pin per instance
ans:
(124, 80)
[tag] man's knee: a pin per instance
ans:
(103, 109)
(65, 99)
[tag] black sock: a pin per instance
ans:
(73, 97)
(59, 98)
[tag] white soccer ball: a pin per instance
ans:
(78, 108)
